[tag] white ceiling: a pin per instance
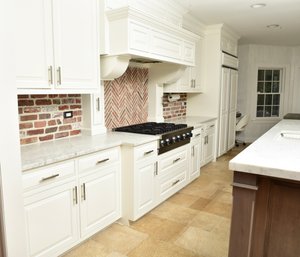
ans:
(251, 23)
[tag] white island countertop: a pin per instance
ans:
(275, 154)
(38, 155)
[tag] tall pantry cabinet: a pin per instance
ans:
(220, 85)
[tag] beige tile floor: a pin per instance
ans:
(195, 222)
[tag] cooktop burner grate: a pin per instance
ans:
(151, 128)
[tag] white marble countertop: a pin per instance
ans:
(38, 155)
(195, 121)
(272, 154)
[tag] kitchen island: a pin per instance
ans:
(266, 195)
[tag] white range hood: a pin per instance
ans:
(138, 38)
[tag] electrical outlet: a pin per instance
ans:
(68, 114)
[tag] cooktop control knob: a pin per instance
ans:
(168, 141)
(173, 139)
(162, 143)
(178, 138)
(183, 136)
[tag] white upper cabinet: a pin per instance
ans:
(57, 45)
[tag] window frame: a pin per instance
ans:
(282, 69)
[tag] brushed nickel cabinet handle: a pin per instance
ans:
(198, 135)
(50, 75)
(98, 104)
(193, 150)
(156, 168)
(58, 71)
(75, 198)
(146, 153)
(83, 193)
(175, 182)
(176, 160)
(104, 160)
(50, 177)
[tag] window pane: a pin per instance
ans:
(260, 87)
(261, 75)
(268, 99)
(275, 111)
(276, 75)
(268, 87)
(275, 87)
(267, 111)
(261, 99)
(268, 75)
(276, 99)
(260, 111)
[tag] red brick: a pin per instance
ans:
(75, 132)
(51, 122)
(43, 102)
(26, 125)
(40, 124)
(77, 113)
(74, 95)
(59, 121)
(29, 140)
(28, 117)
(50, 130)
(53, 96)
(75, 106)
(79, 119)
(35, 132)
(39, 96)
(25, 102)
(56, 101)
(70, 120)
(68, 101)
(62, 96)
(63, 107)
(65, 127)
(44, 116)
(78, 101)
(46, 138)
(61, 134)
(23, 96)
(32, 109)
(20, 110)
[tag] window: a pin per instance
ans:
(268, 92)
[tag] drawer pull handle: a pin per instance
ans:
(104, 160)
(211, 126)
(197, 135)
(176, 160)
(175, 182)
(83, 193)
(50, 177)
(75, 199)
(146, 153)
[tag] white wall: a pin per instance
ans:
(251, 57)
(11, 204)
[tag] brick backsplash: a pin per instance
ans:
(174, 109)
(126, 98)
(41, 117)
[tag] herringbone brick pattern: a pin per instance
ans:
(126, 98)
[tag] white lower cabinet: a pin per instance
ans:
(51, 219)
(208, 143)
(67, 202)
(196, 154)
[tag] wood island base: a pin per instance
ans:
(265, 217)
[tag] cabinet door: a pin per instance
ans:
(210, 146)
(195, 159)
(231, 130)
(144, 187)
(51, 219)
(99, 200)
(197, 70)
(76, 44)
(233, 90)
(34, 49)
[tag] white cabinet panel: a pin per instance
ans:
(100, 200)
(139, 37)
(51, 221)
(144, 188)
(34, 55)
(195, 159)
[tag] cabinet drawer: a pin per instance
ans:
(145, 151)
(197, 133)
(173, 159)
(49, 174)
(97, 160)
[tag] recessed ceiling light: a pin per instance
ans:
(258, 5)
(274, 26)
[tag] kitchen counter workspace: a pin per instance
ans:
(38, 155)
(195, 121)
(266, 193)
